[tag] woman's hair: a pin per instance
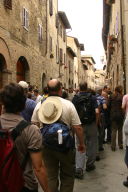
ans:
(13, 98)
(119, 89)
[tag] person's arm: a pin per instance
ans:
(34, 119)
(80, 135)
(124, 104)
(104, 106)
(33, 139)
(97, 115)
(39, 170)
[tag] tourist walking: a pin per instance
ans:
(87, 108)
(28, 143)
(117, 117)
(59, 156)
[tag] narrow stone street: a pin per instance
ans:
(108, 176)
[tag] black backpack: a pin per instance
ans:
(85, 108)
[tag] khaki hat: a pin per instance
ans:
(23, 84)
(50, 110)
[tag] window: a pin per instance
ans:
(60, 30)
(61, 55)
(57, 54)
(64, 58)
(57, 21)
(51, 7)
(64, 35)
(40, 32)
(50, 44)
(8, 4)
(25, 18)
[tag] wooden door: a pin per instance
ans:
(20, 71)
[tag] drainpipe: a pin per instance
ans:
(122, 46)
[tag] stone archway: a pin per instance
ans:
(5, 63)
(23, 71)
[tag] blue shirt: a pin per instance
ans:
(100, 99)
(28, 111)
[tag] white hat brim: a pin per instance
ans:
(58, 105)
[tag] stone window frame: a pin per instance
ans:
(25, 18)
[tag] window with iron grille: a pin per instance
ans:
(40, 32)
(8, 4)
(51, 7)
(25, 18)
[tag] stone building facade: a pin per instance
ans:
(113, 39)
(99, 79)
(62, 46)
(23, 41)
(69, 68)
(33, 42)
(89, 69)
(77, 48)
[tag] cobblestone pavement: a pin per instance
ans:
(108, 176)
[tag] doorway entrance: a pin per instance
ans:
(23, 71)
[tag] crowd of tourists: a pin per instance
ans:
(53, 138)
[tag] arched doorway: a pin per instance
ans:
(23, 71)
(2, 75)
(2, 68)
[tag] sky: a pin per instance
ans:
(86, 20)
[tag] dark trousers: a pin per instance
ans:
(117, 127)
(60, 168)
(28, 190)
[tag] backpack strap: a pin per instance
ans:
(19, 128)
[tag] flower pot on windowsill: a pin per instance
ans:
(110, 2)
(65, 66)
(113, 38)
(111, 48)
(51, 55)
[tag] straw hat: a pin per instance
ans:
(50, 110)
(23, 84)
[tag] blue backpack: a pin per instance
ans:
(51, 137)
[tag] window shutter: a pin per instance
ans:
(8, 4)
(64, 35)
(64, 58)
(50, 44)
(23, 16)
(50, 7)
(57, 21)
(27, 19)
(40, 32)
(61, 55)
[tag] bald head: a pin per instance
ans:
(54, 87)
